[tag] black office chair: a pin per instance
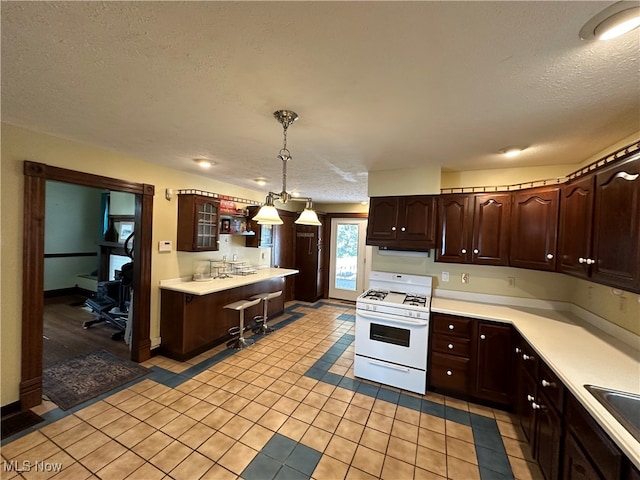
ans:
(110, 303)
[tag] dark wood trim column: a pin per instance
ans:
(140, 341)
(32, 284)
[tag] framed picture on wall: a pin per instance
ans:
(225, 225)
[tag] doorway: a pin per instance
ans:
(35, 178)
(350, 258)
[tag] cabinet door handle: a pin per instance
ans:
(449, 372)
(536, 406)
(546, 383)
(402, 229)
(476, 251)
(518, 350)
(549, 256)
(464, 250)
(530, 398)
(451, 326)
(450, 346)
(582, 260)
(483, 336)
(526, 357)
(590, 261)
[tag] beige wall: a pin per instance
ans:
(18, 145)
(410, 181)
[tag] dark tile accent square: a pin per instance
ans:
(288, 473)
(496, 462)
(410, 402)
(316, 373)
(279, 447)
(349, 383)
(433, 408)
(488, 439)
(368, 389)
(487, 474)
(303, 459)
(388, 395)
(457, 415)
(484, 423)
(261, 468)
(331, 378)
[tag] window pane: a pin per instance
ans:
(346, 256)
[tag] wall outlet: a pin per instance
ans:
(512, 281)
(445, 276)
(465, 278)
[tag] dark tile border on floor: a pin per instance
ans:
(492, 459)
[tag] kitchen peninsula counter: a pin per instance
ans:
(192, 314)
(214, 285)
(578, 353)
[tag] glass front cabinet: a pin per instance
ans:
(198, 223)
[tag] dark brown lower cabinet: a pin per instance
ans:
(191, 324)
(493, 379)
(548, 438)
(589, 452)
(576, 466)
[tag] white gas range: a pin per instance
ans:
(392, 330)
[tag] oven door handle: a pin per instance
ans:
(386, 365)
(392, 319)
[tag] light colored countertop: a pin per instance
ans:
(186, 285)
(578, 352)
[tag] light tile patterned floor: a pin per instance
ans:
(289, 407)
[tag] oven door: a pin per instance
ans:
(391, 338)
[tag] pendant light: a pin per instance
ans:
(268, 214)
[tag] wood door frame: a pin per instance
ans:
(35, 178)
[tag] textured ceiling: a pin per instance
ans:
(377, 85)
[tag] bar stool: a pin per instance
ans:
(261, 320)
(240, 306)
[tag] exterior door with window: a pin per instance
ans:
(350, 258)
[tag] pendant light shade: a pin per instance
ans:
(308, 217)
(268, 214)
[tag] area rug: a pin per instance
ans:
(71, 382)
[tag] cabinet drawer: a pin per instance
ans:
(451, 325)
(552, 387)
(449, 344)
(594, 441)
(450, 372)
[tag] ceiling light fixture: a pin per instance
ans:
(268, 214)
(203, 162)
(261, 181)
(612, 22)
(511, 152)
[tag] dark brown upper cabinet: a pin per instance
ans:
(402, 223)
(263, 233)
(576, 222)
(616, 226)
(474, 228)
(534, 227)
(600, 226)
(198, 223)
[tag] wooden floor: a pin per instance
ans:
(64, 337)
